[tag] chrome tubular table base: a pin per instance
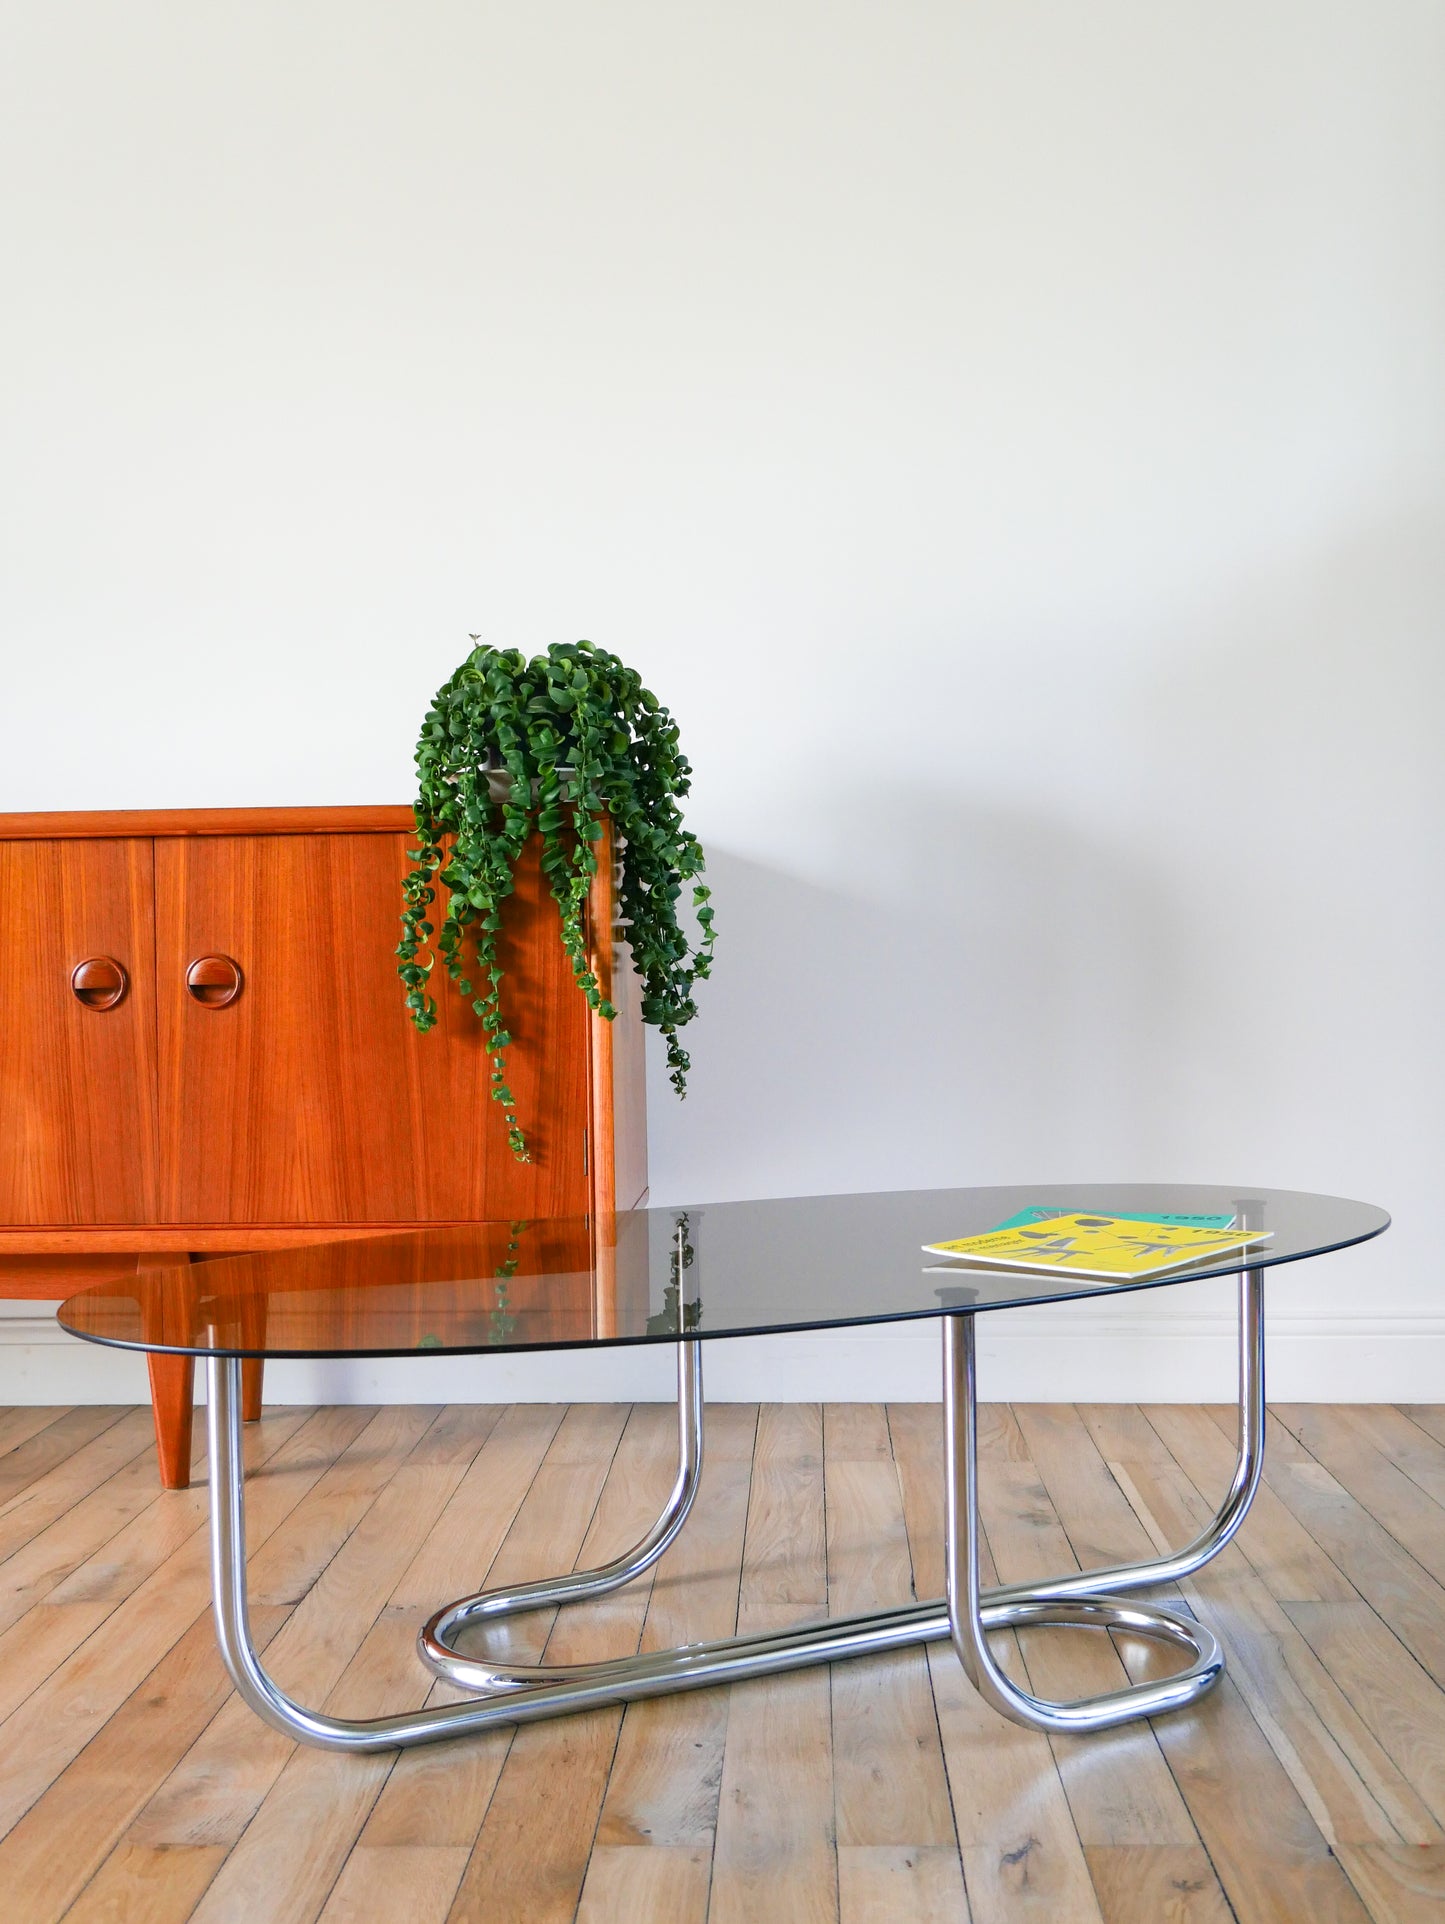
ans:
(525, 1693)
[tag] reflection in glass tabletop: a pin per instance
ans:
(711, 1270)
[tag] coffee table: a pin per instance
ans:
(687, 1277)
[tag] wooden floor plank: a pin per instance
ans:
(889, 1782)
(1022, 1858)
(1402, 1706)
(63, 1551)
(856, 1433)
(1346, 1779)
(530, 1857)
(1364, 1551)
(438, 1795)
(1265, 1846)
(55, 1446)
(627, 1882)
(1429, 1417)
(1121, 1795)
(1246, 1784)
(19, 1424)
(666, 1775)
(133, 1786)
(147, 1884)
(56, 1721)
(1410, 1514)
(775, 1853)
(75, 1606)
(1126, 1805)
(295, 1847)
(916, 1432)
(1400, 1883)
(1157, 1884)
(73, 1474)
(299, 1845)
(1410, 1448)
(1202, 1443)
(1269, 1854)
(66, 1605)
(216, 1788)
(900, 1884)
(416, 1882)
(107, 1780)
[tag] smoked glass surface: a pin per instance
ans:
(717, 1269)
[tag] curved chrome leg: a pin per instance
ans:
(1248, 1467)
(971, 1611)
(435, 1641)
(270, 1702)
(523, 1694)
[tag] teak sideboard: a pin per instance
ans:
(204, 1050)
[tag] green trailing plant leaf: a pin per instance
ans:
(502, 1322)
(676, 1317)
(512, 747)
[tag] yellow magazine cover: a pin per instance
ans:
(1093, 1245)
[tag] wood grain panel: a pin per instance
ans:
(50, 1279)
(77, 1085)
(91, 823)
(201, 1238)
(311, 1098)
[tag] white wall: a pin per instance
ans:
(1009, 435)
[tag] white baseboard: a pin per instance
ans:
(1082, 1353)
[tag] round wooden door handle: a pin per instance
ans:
(213, 981)
(99, 982)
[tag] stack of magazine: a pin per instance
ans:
(1091, 1243)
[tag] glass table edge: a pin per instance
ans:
(1111, 1293)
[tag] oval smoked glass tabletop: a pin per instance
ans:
(717, 1269)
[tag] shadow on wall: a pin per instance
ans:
(1313, 739)
(1197, 948)
(983, 1006)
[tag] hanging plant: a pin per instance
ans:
(512, 747)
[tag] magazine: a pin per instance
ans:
(1090, 1244)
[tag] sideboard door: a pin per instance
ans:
(294, 1088)
(77, 1032)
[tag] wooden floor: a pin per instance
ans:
(1310, 1786)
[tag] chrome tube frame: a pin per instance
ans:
(1248, 1468)
(435, 1642)
(525, 1693)
(969, 1616)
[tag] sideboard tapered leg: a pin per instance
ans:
(172, 1402)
